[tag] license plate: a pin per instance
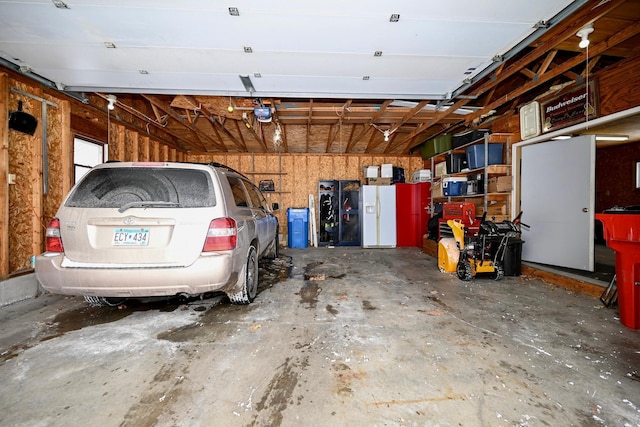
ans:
(131, 237)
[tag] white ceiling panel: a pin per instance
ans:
(298, 47)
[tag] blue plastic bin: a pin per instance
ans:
(475, 155)
(298, 223)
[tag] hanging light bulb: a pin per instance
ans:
(230, 107)
(112, 101)
(386, 135)
(584, 35)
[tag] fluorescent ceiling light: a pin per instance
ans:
(612, 137)
(561, 137)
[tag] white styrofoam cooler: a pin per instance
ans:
(372, 171)
(422, 175)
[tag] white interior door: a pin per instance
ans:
(557, 181)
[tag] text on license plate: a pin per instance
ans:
(131, 237)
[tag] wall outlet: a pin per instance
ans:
(11, 178)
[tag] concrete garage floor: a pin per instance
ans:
(336, 337)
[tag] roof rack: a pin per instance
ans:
(229, 168)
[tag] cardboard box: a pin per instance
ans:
(493, 208)
(500, 184)
(441, 169)
(497, 218)
(436, 189)
(372, 171)
(386, 170)
(378, 181)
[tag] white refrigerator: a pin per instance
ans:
(378, 213)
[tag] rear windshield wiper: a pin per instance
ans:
(147, 204)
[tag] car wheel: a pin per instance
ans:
(102, 301)
(463, 270)
(250, 280)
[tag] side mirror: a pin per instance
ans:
(275, 207)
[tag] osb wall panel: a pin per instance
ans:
(296, 176)
(24, 196)
(130, 146)
(116, 142)
(143, 148)
(59, 159)
(4, 173)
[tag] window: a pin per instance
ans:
(239, 195)
(87, 154)
(114, 187)
(257, 201)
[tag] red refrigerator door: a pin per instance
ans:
(412, 199)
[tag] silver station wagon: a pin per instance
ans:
(148, 229)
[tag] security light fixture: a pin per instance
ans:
(233, 11)
(584, 35)
(248, 49)
(377, 53)
(395, 17)
(143, 71)
(109, 45)
(257, 75)
(365, 77)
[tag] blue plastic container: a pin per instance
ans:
(298, 223)
(475, 155)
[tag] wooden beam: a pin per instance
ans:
(585, 15)
(175, 116)
(148, 121)
(599, 48)
(210, 117)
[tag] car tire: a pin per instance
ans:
(249, 280)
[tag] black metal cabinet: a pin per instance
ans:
(338, 213)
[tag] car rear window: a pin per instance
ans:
(115, 187)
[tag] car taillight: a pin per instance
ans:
(221, 236)
(53, 241)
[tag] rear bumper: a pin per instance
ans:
(210, 272)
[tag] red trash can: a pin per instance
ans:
(622, 233)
